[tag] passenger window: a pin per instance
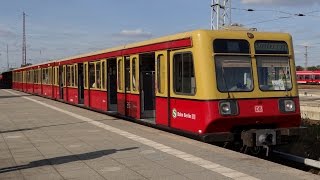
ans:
(72, 75)
(75, 75)
(134, 74)
(92, 76)
(120, 74)
(183, 71)
(103, 74)
(127, 75)
(85, 71)
(45, 76)
(160, 73)
(50, 75)
(98, 79)
(68, 75)
(64, 76)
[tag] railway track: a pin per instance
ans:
(290, 160)
(305, 164)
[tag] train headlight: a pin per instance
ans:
(228, 107)
(287, 105)
(225, 108)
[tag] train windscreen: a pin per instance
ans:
(234, 73)
(274, 73)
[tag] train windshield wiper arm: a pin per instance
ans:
(225, 82)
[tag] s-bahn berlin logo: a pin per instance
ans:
(176, 114)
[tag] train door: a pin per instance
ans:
(61, 81)
(162, 85)
(147, 87)
(80, 83)
(112, 84)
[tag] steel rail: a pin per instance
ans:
(305, 161)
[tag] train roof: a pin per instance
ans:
(167, 38)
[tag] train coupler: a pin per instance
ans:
(259, 137)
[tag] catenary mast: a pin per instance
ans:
(220, 14)
(24, 44)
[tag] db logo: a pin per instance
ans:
(258, 109)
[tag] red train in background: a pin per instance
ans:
(308, 77)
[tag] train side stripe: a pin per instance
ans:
(215, 167)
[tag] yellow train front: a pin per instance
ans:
(243, 88)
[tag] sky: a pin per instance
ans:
(62, 28)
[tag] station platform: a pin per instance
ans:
(46, 139)
(310, 103)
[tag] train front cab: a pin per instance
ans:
(252, 96)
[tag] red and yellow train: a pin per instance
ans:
(222, 86)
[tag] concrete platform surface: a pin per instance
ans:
(310, 103)
(46, 139)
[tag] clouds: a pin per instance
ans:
(281, 2)
(6, 32)
(135, 33)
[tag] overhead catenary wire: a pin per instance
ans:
(270, 20)
(292, 15)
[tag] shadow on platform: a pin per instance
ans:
(13, 96)
(64, 159)
(52, 125)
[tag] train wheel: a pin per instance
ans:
(257, 150)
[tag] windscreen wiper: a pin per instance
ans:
(225, 82)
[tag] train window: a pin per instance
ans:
(43, 73)
(307, 77)
(71, 75)
(76, 75)
(134, 74)
(127, 73)
(57, 76)
(53, 76)
(231, 46)
(35, 76)
(64, 76)
(120, 74)
(317, 77)
(234, 73)
(45, 76)
(183, 71)
(68, 75)
(85, 73)
(49, 75)
(28, 75)
(271, 47)
(103, 74)
(159, 63)
(274, 73)
(98, 78)
(92, 76)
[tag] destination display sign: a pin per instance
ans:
(271, 47)
(231, 46)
